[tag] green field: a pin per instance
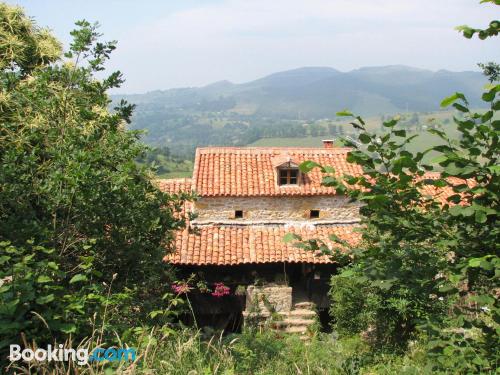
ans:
(290, 142)
(181, 174)
(443, 118)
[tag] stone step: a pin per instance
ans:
(293, 322)
(302, 312)
(299, 322)
(304, 305)
(294, 313)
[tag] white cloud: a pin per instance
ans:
(241, 40)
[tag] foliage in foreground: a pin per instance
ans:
(83, 229)
(426, 266)
(188, 352)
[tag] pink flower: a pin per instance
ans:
(180, 287)
(220, 290)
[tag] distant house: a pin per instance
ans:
(249, 199)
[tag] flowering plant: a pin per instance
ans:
(181, 287)
(220, 290)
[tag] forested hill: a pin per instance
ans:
(188, 116)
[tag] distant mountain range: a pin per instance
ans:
(314, 92)
(292, 103)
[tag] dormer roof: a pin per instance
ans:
(284, 160)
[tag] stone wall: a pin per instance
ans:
(332, 208)
(280, 297)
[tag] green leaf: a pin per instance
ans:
(45, 299)
(364, 138)
(447, 288)
(400, 133)
(485, 265)
(345, 113)
(450, 99)
(480, 216)
(330, 181)
(462, 210)
(289, 237)
(77, 278)
(460, 107)
(43, 279)
(67, 328)
(328, 169)
(308, 165)
(483, 299)
(4, 259)
(390, 123)
(453, 170)
(495, 169)
(489, 96)
(155, 313)
(438, 159)
(474, 262)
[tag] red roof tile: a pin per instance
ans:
(443, 193)
(240, 244)
(228, 171)
(251, 171)
(175, 185)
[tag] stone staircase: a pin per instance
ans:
(272, 307)
(297, 320)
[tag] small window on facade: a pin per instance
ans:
(314, 214)
(238, 214)
(288, 176)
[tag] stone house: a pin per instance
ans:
(249, 198)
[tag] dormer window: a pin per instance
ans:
(288, 176)
(287, 170)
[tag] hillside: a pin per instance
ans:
(278, 105)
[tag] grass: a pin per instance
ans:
(179, 174)
(184, 351)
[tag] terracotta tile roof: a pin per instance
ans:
(251, 171)
(175, 185)
(229, 171)
(240, 244)
(441, 194)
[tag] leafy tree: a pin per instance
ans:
(422, 257)
(492, 30)
(491, 70)
(83, 228)
(429, 265)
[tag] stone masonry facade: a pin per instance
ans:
(336, 209)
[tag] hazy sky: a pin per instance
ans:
(176, 43)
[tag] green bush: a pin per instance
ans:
(352, 305)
